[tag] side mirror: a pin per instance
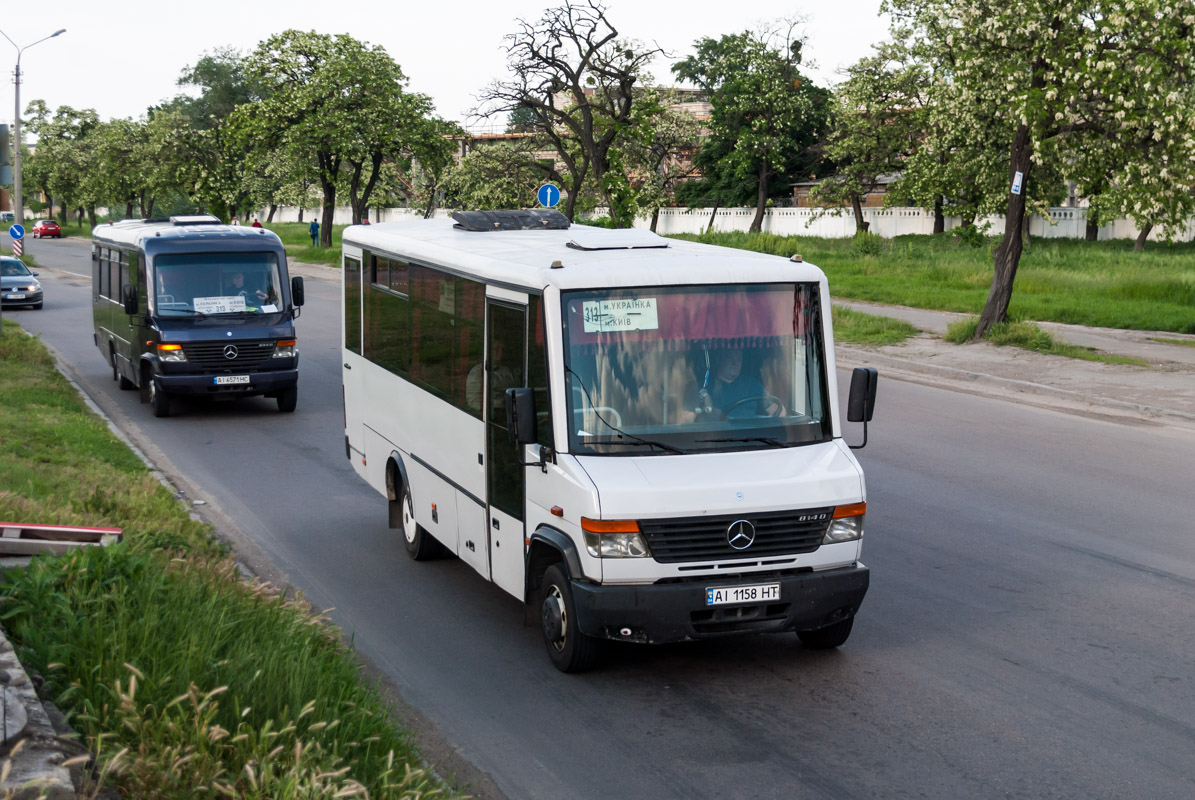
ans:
(520, 415)
(861, 404)
(128, 294)
(296, 290)
(862, 400)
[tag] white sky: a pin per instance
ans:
(122, 56)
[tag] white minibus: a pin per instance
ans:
(637, 436)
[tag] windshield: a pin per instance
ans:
(194, 284)
(13, 268)
(692, 369)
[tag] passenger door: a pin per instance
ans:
(353, 363)
(506, 358)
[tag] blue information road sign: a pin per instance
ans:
(548, 195)
(16, 232)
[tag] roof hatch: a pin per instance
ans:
(194, 219)
(584, 238)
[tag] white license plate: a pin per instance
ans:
(225, 380)
(16, 297)
(727, 595)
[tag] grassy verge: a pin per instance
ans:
(855, 327)
(1083, 283)
(297, 240)
(1164, 340)
(1030, 337)
(183, 680)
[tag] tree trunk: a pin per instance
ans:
(710, 227)
(1092, 234)
(655, 217)
(274, 208)
(761, 200)
(91, 217)
(939, 218)
(1139, 245)
(128, 210)
(1008, 254)
(861, 225)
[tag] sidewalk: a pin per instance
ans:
(1163, 392)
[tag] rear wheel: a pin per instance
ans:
(158, 399)
(829, 637)
(420, 544)
(288, 399)
(568, 649)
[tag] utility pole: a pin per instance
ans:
(18, 200)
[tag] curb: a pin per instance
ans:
(34, 755)
(912, 370)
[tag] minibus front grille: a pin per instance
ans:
(708, 538)
(228, 355)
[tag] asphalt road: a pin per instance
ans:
(1028, 632)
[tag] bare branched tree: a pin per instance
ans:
(573, 73)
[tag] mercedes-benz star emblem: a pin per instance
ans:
(741, 534)
(230, 351)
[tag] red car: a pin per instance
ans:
(46, 227)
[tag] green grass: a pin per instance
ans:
(297, 240)
(1028, 336)
(856, 327)
(1083, 283)
(183, 680)
(1164, 340)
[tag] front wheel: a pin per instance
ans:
(420, 544)
(568, 649)
(829, 637)
(159, 401)
(288, 399)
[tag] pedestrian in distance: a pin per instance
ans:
(255, 224)
(235, 221)
(313, 229)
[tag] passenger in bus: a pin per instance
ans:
(501, 379)
(726, 391)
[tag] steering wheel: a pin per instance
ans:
(766, 399)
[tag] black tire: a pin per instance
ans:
(421, 545)
(158, 399)
(569, 650)
(829, 637)
(288, 399)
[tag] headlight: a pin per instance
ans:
(171, 352)
(285, 348)
(847, 524)
(614, 539)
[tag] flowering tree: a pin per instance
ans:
(1073, 77)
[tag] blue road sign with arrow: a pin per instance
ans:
(548, 195)
(16, 232)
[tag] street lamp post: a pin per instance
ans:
(18, 200)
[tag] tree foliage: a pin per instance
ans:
(767, 116)
(1074, 80)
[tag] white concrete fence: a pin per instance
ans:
(1064, 223)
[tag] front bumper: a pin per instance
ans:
(30, 299)
(265, 382)
(674, 612)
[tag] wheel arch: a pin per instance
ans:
(396, 479)
(549, 546)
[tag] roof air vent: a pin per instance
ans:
(528, 220)
(194, 219)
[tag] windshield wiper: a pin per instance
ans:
(637, 442)
(189, 311)
(763, 439)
